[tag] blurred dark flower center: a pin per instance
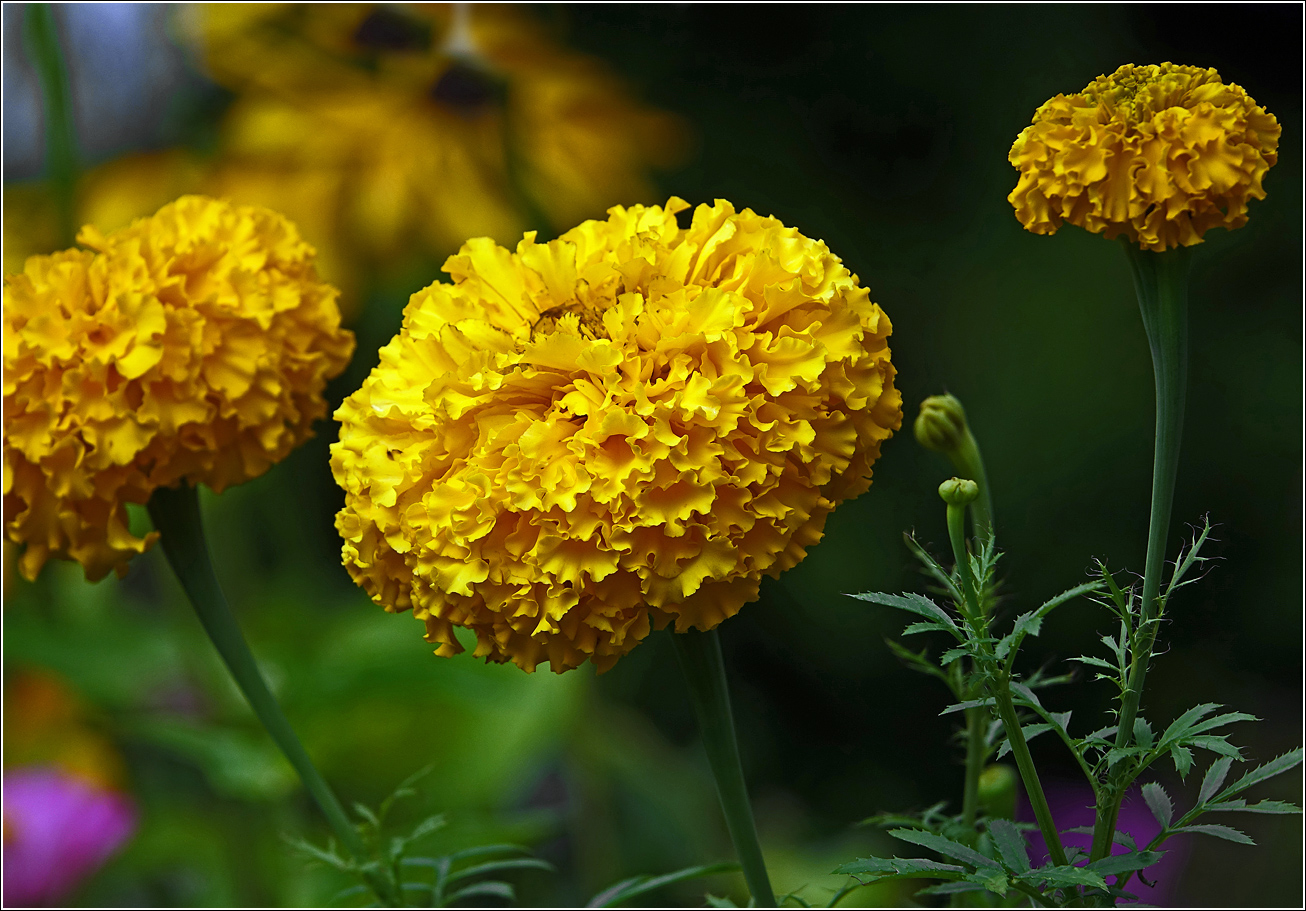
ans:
(463, 88)
(387, 29)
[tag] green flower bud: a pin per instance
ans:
(997, 791)
(958, 491)
(941, 424)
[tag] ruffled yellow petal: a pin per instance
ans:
(1159, 154)
(587, 439)
(190, 346)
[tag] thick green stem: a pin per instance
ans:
(41, 37)
(957, 538)
(700, 659)
(1161, 283)
(1029, 775)
(176, 515)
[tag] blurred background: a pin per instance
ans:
(391, 134)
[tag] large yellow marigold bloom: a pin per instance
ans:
(625, 426)
(189, 346)
(1160, 154)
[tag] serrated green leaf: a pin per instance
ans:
(1125, 863)
(322, 855)
(1026, 695)
(1219, 721)
(642, 885)
(1183, 760)
(1065, 876)
(900, 868)
(945, 846)
(951, 888)
(995, 881)
(1265, 806)
(1213, 778)
(1010, 844)
(1276, 766)
(1158, 801)
(924, 626)
(1095, 662)
(1142, 732)
(1216, 743)
(968, 704)
(1182, 725)
(953, 654)
(1030, 731)
(913, 603)
(1225, 832)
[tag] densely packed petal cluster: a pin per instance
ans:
(192, 345)
(1160, 154)
(628, 425)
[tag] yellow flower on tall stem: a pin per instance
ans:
(1156, 156)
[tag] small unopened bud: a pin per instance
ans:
(941, 424)
(958, 491)
(997, 791)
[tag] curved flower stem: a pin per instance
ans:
(969, 464)
(699, 654)
(1161, 283)
(1028, 774)
(41, 37)
(176, 515)
(975, 753)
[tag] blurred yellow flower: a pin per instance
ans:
(429, 125)
(194, 345)
(625, 426)
(45, 723)
(1161, 154)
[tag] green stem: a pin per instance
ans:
(1161, 284)
(969, 464)
(1028, 774)
(176, 515)
(41, 37)
(957, 538)
(1161, 281)
(704, 670)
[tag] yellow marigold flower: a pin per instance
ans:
(625, 426)
(191, 346)
(1161, 154)
(428, 129)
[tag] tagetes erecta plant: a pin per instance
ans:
(1159, 154)
(624, 427)
(191, 346)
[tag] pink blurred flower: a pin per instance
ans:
(58, 830)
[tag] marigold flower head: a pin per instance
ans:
(1160, 154)
(189, 346)
(625, 426)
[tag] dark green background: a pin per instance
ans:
(884, 131)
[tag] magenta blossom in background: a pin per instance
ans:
(58, 830)
(1071, 804)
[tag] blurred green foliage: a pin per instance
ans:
(884, 131)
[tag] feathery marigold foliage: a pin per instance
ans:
(1160, 154)
(189, 346)
(623, 427)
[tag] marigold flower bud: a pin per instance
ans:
(191, 346)
(958, 491)
(941, 423)
(1159, 154)
(626, 426)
